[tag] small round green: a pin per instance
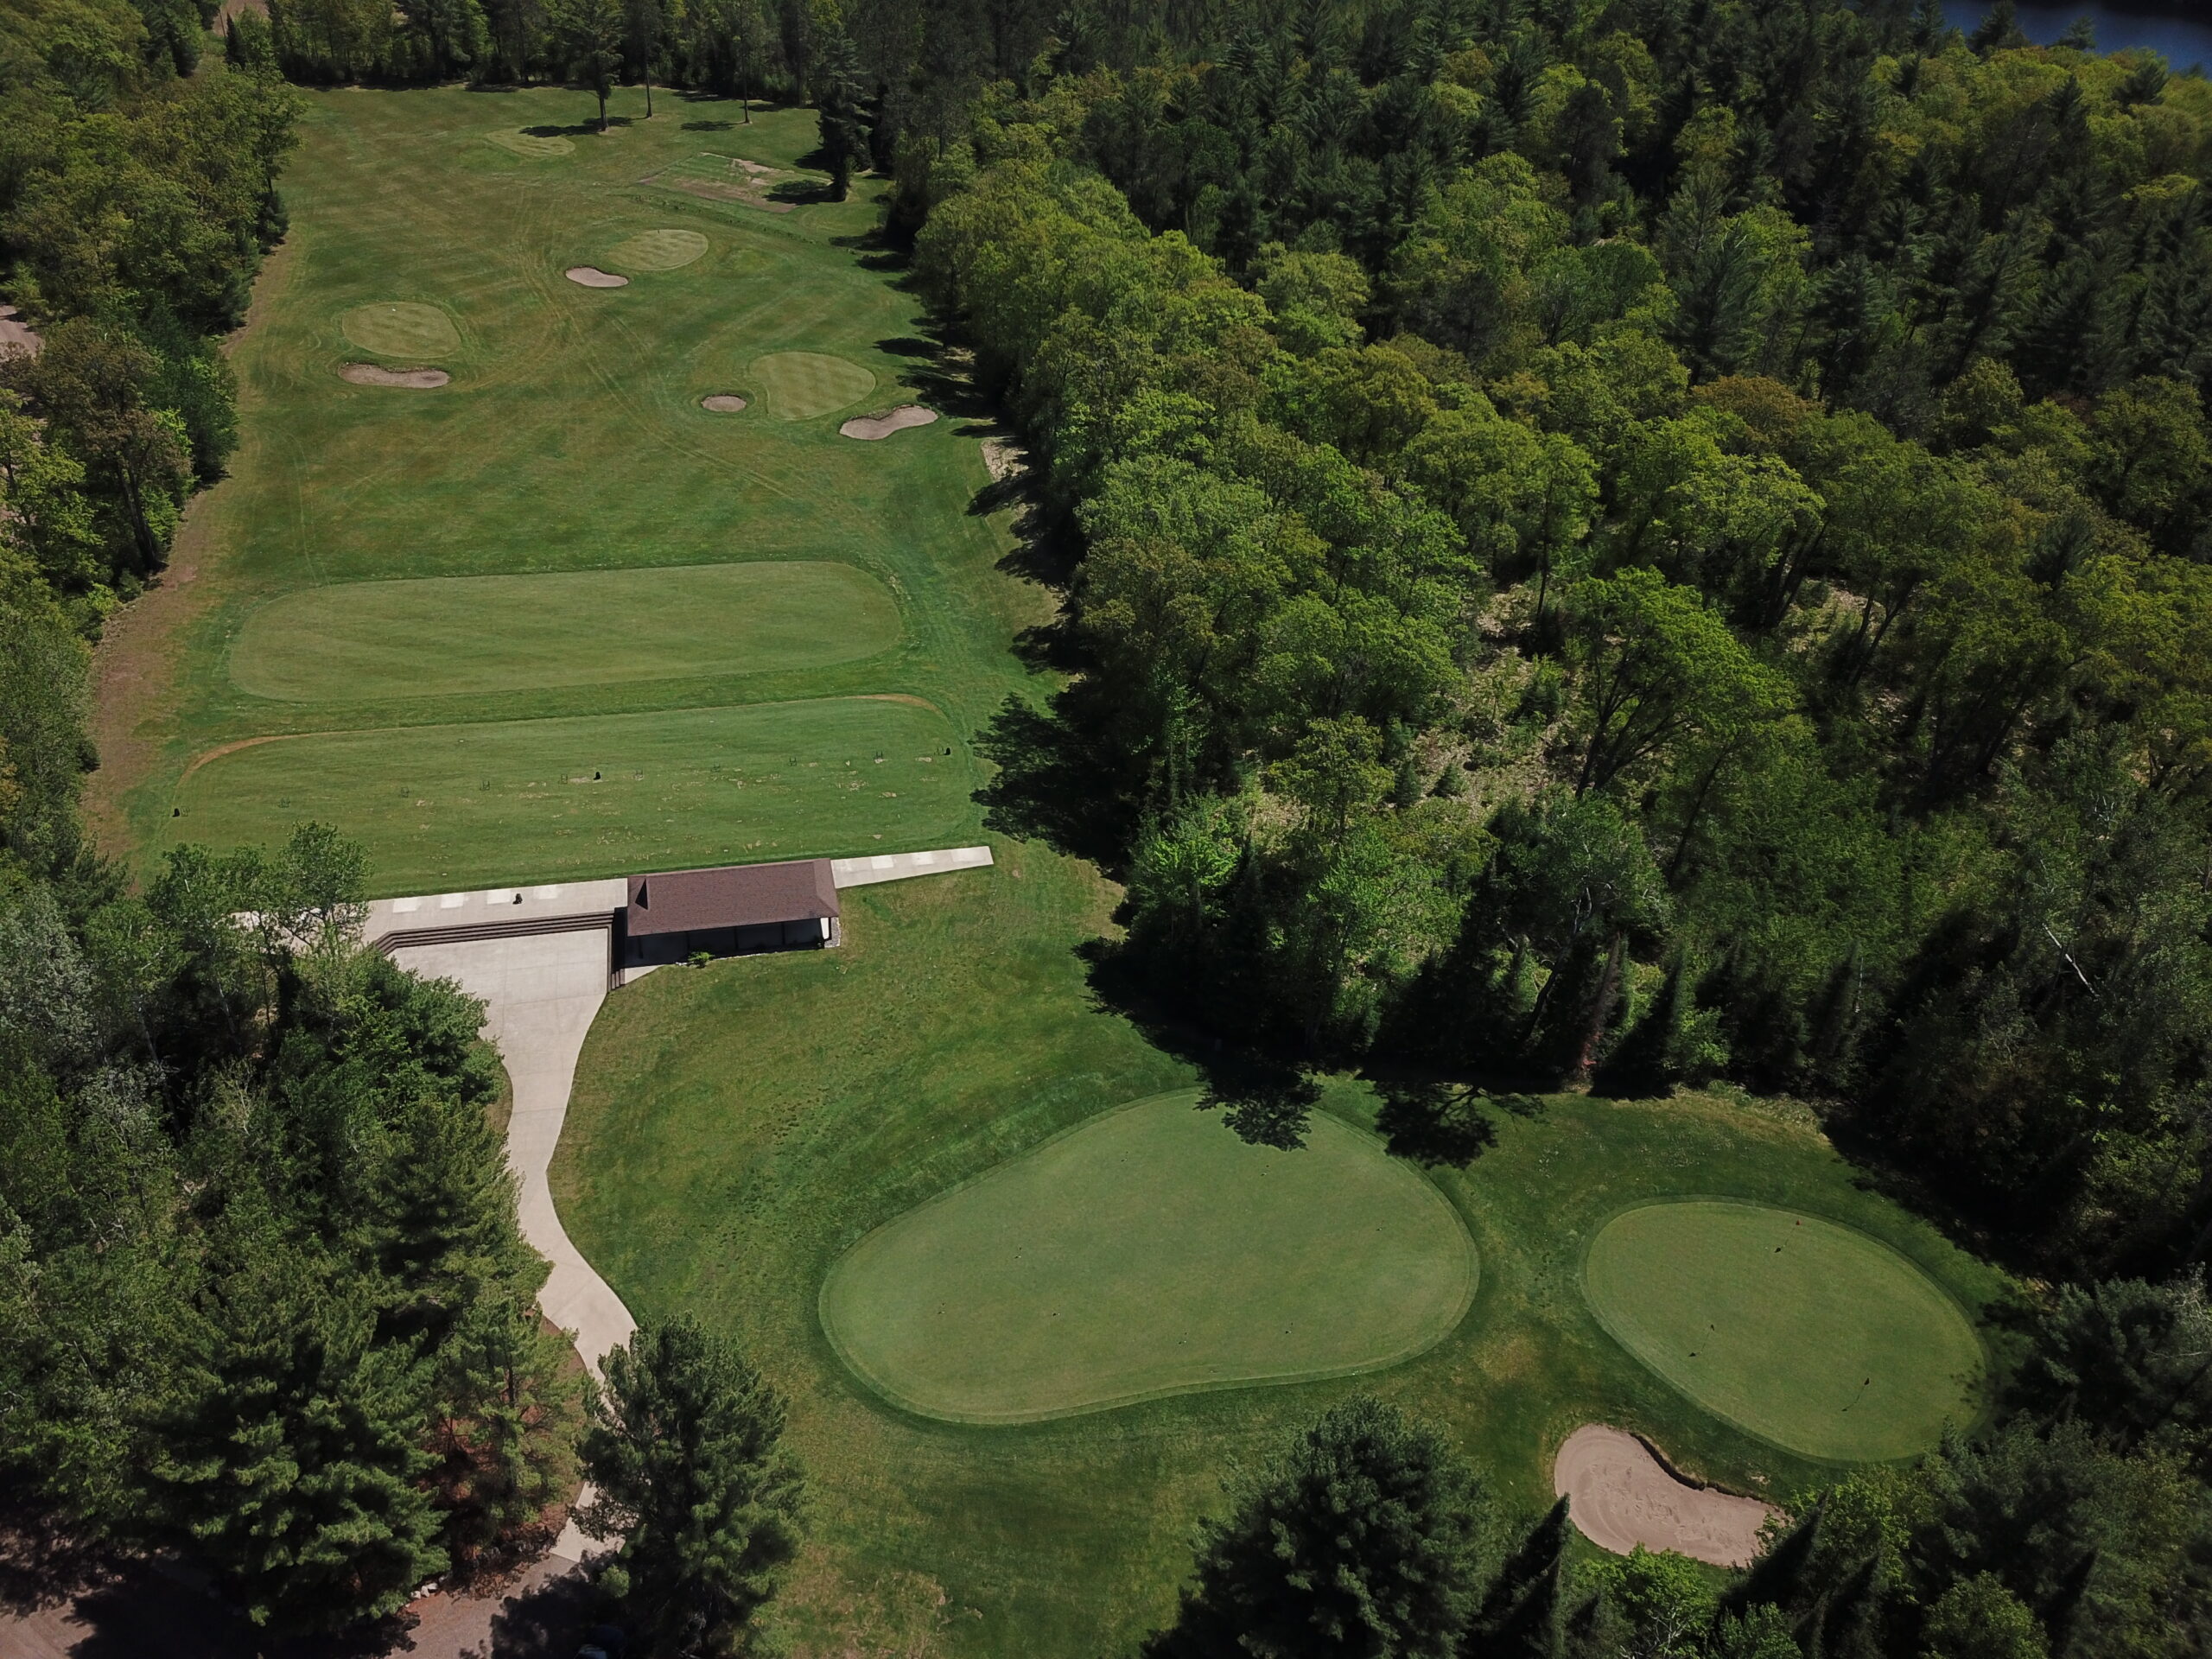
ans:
(1807, 1333)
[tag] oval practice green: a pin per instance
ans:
(1150, 1252)
(1807, 1333)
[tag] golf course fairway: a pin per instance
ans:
(1150, 1252)
(1811, 1335)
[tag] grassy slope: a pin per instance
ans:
(736, 1129)
(570, 439)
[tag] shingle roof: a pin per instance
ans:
(736, 895)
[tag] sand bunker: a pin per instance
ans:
(1621, 1496)
(723, 402)
(16, 336)
(375, 374)
(882, 426)
(658, 250)
(593, 277)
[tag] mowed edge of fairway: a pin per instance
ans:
(1801, 1331)
(1147, 1252)
(449, 806)
(431, 636)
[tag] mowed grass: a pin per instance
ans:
(446, 806)
(737, 1130)
(430, 226)
(404, 329)
(799, 385)
(1144, 1254)
(456, 635)
(1811, 1335)
(651, 251)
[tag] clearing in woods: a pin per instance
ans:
(545, 544)
(715, 614)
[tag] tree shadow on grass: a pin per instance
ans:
(575, 130)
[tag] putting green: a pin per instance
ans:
(517, 800)
(657, 250)
(402, 329)
(1808, 1334)
(531, 146)
(365, 640)
(800, 385)
(1150, 1252)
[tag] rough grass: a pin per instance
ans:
(402, 329)
(1147, 1254)
(449, 806)
(455, 635)
(654, 251)
(799, 385)
(571, 441)
(532, 146)
(1813, 1336)
(736, 1130)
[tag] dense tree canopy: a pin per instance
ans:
(1782, 426)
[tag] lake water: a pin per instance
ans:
(2184, 39)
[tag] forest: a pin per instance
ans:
(1608, 543)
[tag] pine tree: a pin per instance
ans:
(685, 1447)
(838, 97)
(1363, 1536)
(293, 1463)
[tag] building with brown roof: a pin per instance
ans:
(734, 910)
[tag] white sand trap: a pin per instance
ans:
(882, 426)
(375, 374)
(1620, 1496)
(723, 402)
(593, 277)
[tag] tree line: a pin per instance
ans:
(1633, 553)
(263, 1299)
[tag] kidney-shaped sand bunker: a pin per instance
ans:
(1150, 1252)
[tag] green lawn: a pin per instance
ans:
(440, 807)
(737, 1130)
(654, 565)
(360, 641)
(1144, 1254)
(1813, 1336)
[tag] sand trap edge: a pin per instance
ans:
(870, 428)
(723, 402)
(375, 374)
(593, 277)
(1620, 1495)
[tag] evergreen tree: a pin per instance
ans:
(1363, 1536)
(838, 95)
(685, 1449)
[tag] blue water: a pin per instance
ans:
(2184, 41)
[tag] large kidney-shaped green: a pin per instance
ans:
(1150, 1252)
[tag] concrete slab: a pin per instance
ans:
(541, 992)
(897, 867)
